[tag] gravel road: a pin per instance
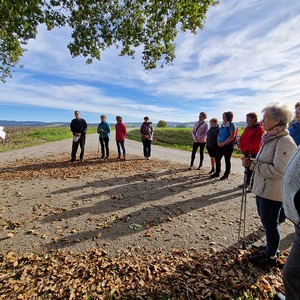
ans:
(48, 203)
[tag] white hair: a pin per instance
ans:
(279, 111)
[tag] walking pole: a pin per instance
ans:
(242, 216)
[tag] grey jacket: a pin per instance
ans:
(290, 186)
(269, 166)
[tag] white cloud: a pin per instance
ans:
(246, 57)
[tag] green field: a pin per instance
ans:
(178, 138)
(18, 137)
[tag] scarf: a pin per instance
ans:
(272, 133)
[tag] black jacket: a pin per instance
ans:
(78, 126)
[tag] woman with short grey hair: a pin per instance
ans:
(268, 168)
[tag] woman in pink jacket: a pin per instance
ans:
(199, 134)
(120, 137)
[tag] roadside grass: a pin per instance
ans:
(18, 137)
(177, 138)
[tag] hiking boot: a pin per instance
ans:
(263, 259)
(225, 176)
(262, 248)
(215, 175)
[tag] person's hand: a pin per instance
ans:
(220, 144)
(246, 161)
(77, 134)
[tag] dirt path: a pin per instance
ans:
(48, 203)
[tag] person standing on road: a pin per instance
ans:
(199, 134)
(250, 142)
(147, 132)
(104, 133)
(225, 145)
(79, 128)
(120, 137)
(294, 128)
(291, 204)
(268, 169)
(212, 142)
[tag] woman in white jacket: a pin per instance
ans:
(268, 168)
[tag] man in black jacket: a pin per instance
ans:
(79, 129)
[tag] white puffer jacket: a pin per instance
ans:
(269, 166)
(291, 186)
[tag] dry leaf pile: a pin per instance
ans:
(59, 167)
(134, 275)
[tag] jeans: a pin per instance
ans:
(195, 148)
(81, 143)
(291, 271)
(104, 142)
(225, 151)
(269, 212)
(121, 144)
(147, 147)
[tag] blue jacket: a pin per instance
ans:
(106, 130)
(294, 130)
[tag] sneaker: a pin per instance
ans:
(225, 176)
(199, 168)
(118, 157)
(211, 171)
(81, 160)
(72, 160)
(263, 259)
(148, 157)
(215, 175)
(244, 185)
(279, 296)
(102, 157)
(124, 157)
(107, 157)
(249, 190)
(190, 167)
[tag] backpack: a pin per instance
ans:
(235, 140)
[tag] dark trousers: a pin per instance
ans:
(194, 151)
(121, 144)
(225, 151)
(147, 147)
(250, 172)
(269, 212)
(81, 143)
(104, 142)
(291, 271)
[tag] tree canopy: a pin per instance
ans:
(99, 24)
(162, 123)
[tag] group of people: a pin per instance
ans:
(272, 174)
(271, 162)
(79, 128)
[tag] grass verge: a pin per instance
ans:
(18, 137)
(177, 138)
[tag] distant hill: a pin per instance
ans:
(6, 123)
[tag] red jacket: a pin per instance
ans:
(120, 131)
(251, 138)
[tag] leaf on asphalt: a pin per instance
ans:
(136, 226)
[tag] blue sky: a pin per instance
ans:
(247, 56)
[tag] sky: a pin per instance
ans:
(247, 56)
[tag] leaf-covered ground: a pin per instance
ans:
(135, 274)
(124, 230)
